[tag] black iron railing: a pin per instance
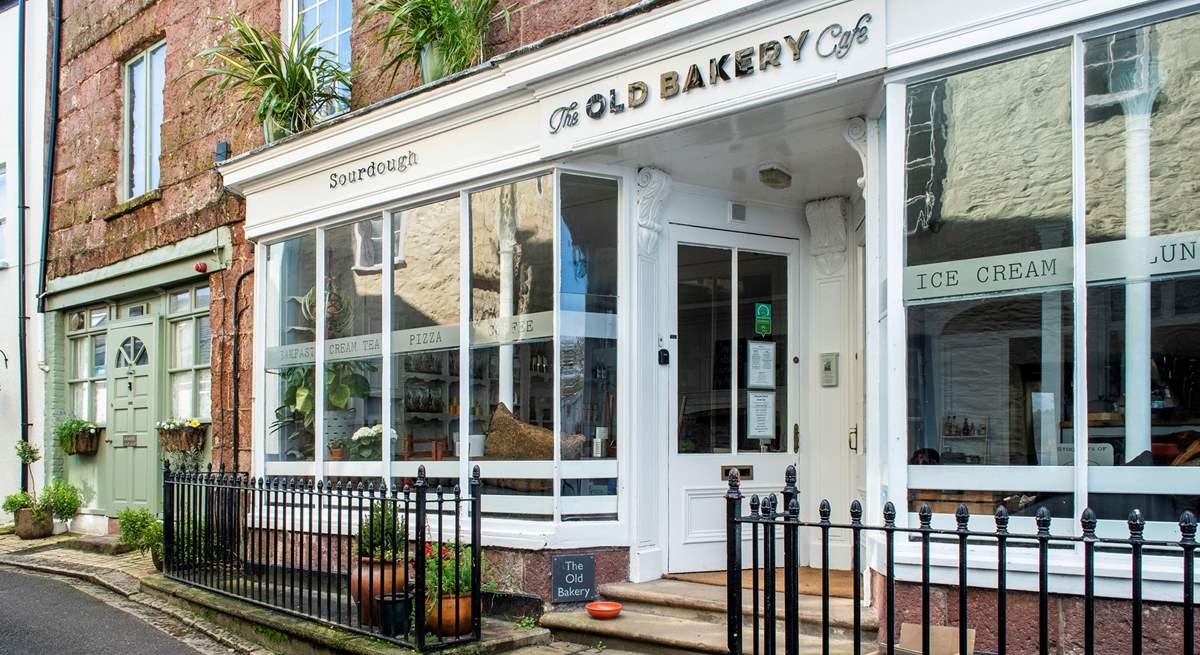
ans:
(775, 520)
(391, 561)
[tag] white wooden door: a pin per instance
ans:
(734, 388)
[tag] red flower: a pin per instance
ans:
(428, 550)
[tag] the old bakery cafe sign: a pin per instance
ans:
(811, 46)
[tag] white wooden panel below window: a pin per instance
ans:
(575, 505)
(505, 504)
(589, 468)
(1183, 480)
(515, 470)
(992, 478)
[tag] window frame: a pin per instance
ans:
(127, 172)
(500, 531)
(87, 334)
(192, 314)
(1161, 573)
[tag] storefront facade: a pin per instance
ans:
(609, 268)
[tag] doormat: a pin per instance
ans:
(841, 583)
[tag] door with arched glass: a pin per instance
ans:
(131, 448)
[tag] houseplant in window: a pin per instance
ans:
(440, 37)
(448, 596)
(181, 435)
(337, 448)
(78, 437)
(379, 571)
(291, 85)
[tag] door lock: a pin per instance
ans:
(852, 438)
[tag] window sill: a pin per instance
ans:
(133, 204)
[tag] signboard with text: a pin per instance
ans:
(572, 578)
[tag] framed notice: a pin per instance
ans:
(760, 415)
(760, 364)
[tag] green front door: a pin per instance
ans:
(132, 469)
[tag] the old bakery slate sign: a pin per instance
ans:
(572, 578)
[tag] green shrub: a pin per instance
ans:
(141, 529)
(379, 536)
(61, 499)
(24, 500)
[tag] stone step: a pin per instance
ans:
(702, 602)
(654, 634)
(101, 545)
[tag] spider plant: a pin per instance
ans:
(441, 37)
(293, 84)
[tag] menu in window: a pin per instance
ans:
(760, 365)
(760, 415)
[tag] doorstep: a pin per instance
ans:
(287, 633)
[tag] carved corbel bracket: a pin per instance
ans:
(653, 186)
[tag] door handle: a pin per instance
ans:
(852, 438)
(795, 437)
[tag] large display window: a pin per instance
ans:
(1043, 194)
(479, 328)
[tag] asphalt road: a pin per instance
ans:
(42, 615)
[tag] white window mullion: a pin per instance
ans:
(466, 389)
(386, 327)
(1079, 417)
(895, 375)
(556, 340)
(319, 373)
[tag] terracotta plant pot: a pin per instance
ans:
(28, 528)
(370, 578)
(337, 454)
(156, 557)
(446, 625)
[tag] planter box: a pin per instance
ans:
(87, 443)
(28, 528)
(182, 440)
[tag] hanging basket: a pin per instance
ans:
(86, 442)
(182, 440)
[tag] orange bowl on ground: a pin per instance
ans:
(603, 609)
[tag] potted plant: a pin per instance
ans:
(62, 501)
(76, 436)
(337, 448)
(379, 571)
(33, 520)
(367, 442)
(440, 37)
(292, 85)
(181, 435)
(448, 595)
(142, 530)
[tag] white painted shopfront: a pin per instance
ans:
(609, 268)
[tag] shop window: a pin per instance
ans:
(353, 398)
(524, 398)
(188, 366)
(144, 78)
(290, 331)
(86, 367)
(1143, 234)
(427, 393)
(987, 285)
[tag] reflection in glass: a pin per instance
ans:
(704, 295)
(353, 413)
(989, 381)
(762, 284)
(587, 325)
(290, 340)
(512, 359)
(975, 141)
(425, 320)
(1144, 277)
(136, 122)
(984, 503)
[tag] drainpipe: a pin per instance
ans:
(22, 319)
(51, 142)
(237, 347)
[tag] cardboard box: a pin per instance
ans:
(943, 640)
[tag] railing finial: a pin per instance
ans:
(889, 514)
(962, 516)
(1137, 525)
(734, 491)
(1088, 522)
(1001, 519)
(824, 510)
(1187, 527)
(925, 516)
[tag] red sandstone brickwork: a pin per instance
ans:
(1162, 622)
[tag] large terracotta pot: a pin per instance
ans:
(370, 578)
(27, 528)
(446, 626)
